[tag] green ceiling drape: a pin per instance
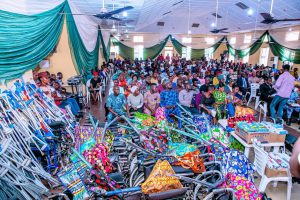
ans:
(124, 50)
(25, 40)
(83, 60)
(155, 50)
(248, 51)
(284, 53)
(105, 49)
(177, 45)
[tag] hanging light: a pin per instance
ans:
(213, 24)
(114, 28)
(189, 32)
(125, 14)
(250, 12)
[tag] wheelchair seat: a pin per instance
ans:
(118, 144)
(57, 125)
(113, 158)
(181, 170)
(176, 193)
(118, 177)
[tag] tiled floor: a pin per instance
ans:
(276, 193)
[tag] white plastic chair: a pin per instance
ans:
(253, 93)
(88, 93)
(263, 107)
(260, 162)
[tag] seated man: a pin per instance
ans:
(151, 100)
(62, 101)
(185, 98)
(169, 100)
(94, 86)
(135, 100)
(116, 104)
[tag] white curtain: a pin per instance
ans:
(105, 35)
(86, 27)
(280, 36)
(198, 41)
(28, 7)
(240, 37)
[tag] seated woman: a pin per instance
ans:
(135, 100)
(207, 102)
(294, 98)
(220, 101)
(62, 101)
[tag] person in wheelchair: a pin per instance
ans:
(116, 104)
(169, 99)
(135, 100)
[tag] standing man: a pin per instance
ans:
(284, 87)
(168, 100)
(242, 82)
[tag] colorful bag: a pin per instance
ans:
(218, 149)
(201, 123)
(156, 142)
(243, 111)
(83, 133)
(181, 148)
(237, 163)
(244, 189)
(232, 121)
(160, 114)
(192, 160)
(160, 179)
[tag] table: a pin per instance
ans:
(247, 146)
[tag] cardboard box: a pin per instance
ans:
(273, 137)
(247, 137)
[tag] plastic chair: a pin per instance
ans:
(260, 162)
(263, 107)
(88, 93)
(253, 93)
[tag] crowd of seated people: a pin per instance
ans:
(51, 85)
(213, 87)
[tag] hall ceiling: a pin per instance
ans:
(178, 16)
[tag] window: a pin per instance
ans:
(247, 39)
(209, 53)
(139, 51)
(210, 40)
(187, 40)
(233, 40)
(186, 53)
(264, 54)
(230, 57)
(246, 58)
(114, 49)
(138, 39)
(292, 36)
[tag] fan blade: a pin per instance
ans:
(116, 19)
(224, 32)
(120, 10)
(287, 20)
(266, 16)
(223, 29)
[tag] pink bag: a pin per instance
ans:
(160, 114)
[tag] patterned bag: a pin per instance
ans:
(192, 160)
(83, 133)
(201, 123)
(160, 114)
(160, 179)
(156, 142)
(244, 189)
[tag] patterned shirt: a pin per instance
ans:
(116, 102)
(169, 98)
(219, 96)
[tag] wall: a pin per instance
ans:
(61, 60)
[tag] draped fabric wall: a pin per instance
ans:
(154, 51)
(124, 50)
(83, 59)
(25, 40)
(105, 48)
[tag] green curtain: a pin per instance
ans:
(177, 45)
(105, 49)
(83, 60)
(155, 50)
(250, 50)
(197, 53)
(25, 40)
(284, 53)
(124, 50)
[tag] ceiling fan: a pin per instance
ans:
(221, 30)
(104, 14)
(269, 19)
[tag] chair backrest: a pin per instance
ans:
(88, 83)
(254, 87)
(261, 157)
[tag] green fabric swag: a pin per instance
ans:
(154, 51)
(250, 50)
(83, 60)
(124, 50)
(177, 45)
(284, 53)
(105, 49)
(25, 40)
